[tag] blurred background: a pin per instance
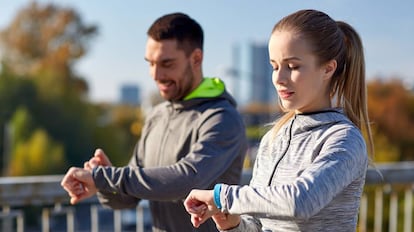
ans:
(73, 76)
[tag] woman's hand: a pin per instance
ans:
(200, 205)
(225, 221)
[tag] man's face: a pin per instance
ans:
(170, 68)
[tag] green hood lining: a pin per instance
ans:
(209, 87)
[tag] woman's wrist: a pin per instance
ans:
(227, 222)
(216, 195)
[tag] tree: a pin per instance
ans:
(22, 126)
(44, 41)
(37, 156)
(39, 50)
(391, 110)
(120, 128)
(14, 93)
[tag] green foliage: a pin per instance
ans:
(119, 128)
(22, 125)
(15, 91)
(38, 156)
(44, 99)
(68, 121)
(255, 132)
(76, 126)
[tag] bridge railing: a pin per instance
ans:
(386, 205)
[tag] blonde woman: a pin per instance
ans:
(310, 168)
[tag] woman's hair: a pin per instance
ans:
(178, 26)
(334, 40)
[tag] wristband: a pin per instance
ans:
(217, 190)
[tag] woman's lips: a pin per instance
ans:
(285, 93)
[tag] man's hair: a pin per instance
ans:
(180, 27)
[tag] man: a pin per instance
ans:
(195, 139)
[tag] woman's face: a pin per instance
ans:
(301, 83)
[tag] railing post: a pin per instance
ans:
(7, 223)
(393, 212)
(20, 222)
(408, 209)
(94, 219)
(7, 214)
(58, 210)
(45, 220)
(70, 220)
(363, 213)
(21, 192)
(117, 221)
(140, 218)
(378, 209)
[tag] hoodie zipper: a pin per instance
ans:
(164, 137)
(284, 152)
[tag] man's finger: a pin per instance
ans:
(68, 178)
(103, 158)
(87, 166)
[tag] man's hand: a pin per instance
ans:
(98, 159)
(79, 184)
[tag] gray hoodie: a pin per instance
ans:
(307, 177)
(188, 144)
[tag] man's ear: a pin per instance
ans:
(197, 57)
(329, 68)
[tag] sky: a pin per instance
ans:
(116, 54)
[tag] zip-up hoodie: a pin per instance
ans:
(194, 143)
(307, 177)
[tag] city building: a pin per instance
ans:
(130, 94)
(252, 74)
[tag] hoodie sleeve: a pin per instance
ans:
(342, 161)
(111, 198)
(247, 224)
(220, 147)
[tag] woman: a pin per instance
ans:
(310, 168)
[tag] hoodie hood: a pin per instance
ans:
(310, 121)
(208, 89)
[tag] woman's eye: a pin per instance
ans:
(293, 67)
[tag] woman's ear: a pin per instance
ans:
(329, 68)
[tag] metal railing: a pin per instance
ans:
(386, 205)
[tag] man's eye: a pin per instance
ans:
(168, 64)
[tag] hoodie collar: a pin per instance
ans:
(208, 89)
(308, 121)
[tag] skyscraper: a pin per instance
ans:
(130, 94)
(252, 74)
